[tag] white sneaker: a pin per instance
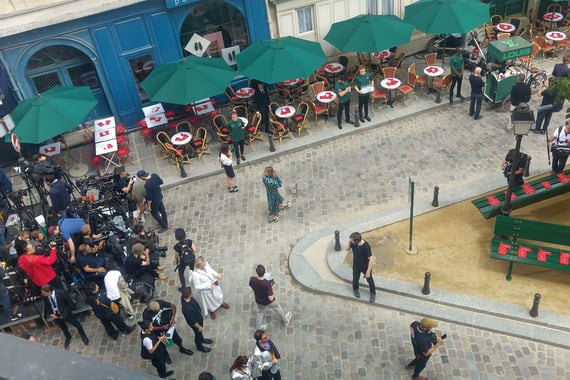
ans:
(287, 318)
(263, 327)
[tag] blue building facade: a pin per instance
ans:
(113, 52)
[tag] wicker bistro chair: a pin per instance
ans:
(301, 118)
(183, 126)
(407, 88)
(545, 47)
(253, 132)
(430, 59)
(442, 83)
(200, 142)
(242, 111)
(220, 126)
(378, 94)
(279, 130)
(422, 81)
(389, 72)
(176, 155)
(318, 109)
(496, 19)
(232, 97)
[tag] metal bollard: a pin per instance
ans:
(435, 202)
(534, 310)
(356, 119)
(271, 145)
(425, 289)
(337, 246)
(438, 95)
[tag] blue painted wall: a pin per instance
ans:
(110, 39)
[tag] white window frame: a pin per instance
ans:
(301, 14)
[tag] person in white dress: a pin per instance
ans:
(206, 282)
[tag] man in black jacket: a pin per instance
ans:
(194, 317)
(261, 100)
(162, 314)
(59, 305)
(101, 306)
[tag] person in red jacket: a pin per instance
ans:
(39, 267)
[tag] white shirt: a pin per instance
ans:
(563, 138)
(225, 160)
(111, 284)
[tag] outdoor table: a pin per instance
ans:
(107, 150)
(285, 112)
(244, 120)
(245, 93)
(292, 82)
(432, 72)
(105, 134)
(181, 138)
(156, 120)
(52, 149)
(326, 97)
(552, 18)
(382, 55)
(334, 68)
(505, 27)
(390, 84)
(556, 37)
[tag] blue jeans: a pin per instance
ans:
(475, 105)
(158, 212)
(543, 116)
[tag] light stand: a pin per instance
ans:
(522, 123)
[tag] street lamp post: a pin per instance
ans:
(522, 123)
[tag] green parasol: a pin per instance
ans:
(281, 59)
(188, 80)
(369, 33)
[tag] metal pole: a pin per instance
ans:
(411, 213)
(534, 310)
(506, 210)
(337, 246)
(425, 289)
(435, 202)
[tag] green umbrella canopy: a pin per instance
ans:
(52, 113)
(369, 33)
(281, 59)
(188, 80)
(447, 16)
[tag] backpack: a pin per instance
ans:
(187, 256)
(142, 291)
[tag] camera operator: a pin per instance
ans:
(21, 241)
(37, 238)
(147, 239)
(60, 196)
(137, 265)
(42, 170)
(39, 267)
(519, 171)
(91, 263)
(70, 229)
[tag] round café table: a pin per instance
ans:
(181, 138)
(382, 55)
(334, 69)
(292, 82)
(432, 72)
(244, 120)
(326, 97)
(285, 112)
(390, 84)
(552, 18)
(245, 93)
(505, 27)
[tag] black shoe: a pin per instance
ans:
(357, 293)
(207, 341)
(372, 297)
(461, 97)
(535, 131)
(115, 337)
(349, 122)
(186, 351)
(15, 317)
(168, 360)
(362, 120)
(169, 373)
(340, 126)
(243, 158)
(66, 344)
(85, 340)
(478, 117)
(238, 161)
(471, 115)
(130, 330)
(205, 349)
(450, 100)
(367, 118)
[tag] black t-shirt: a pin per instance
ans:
(361, 256)
(186, 254)
(161, 317)
(262, 289)
(20, 246)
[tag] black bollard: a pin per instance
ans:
(438, 95)
(271, 145)
(337, 246)
(356, 119)
(425, 289)
(435, 202)
(534, 310)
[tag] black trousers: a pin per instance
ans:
(454, 81)
(419, 363)
(182, 273)
(239, 148)
(558, 162)
(115, 321)
(267, 375)
(62, 323)
(356, 277)
(363, 100)
(158, 360)
(198, 338)
(158, 212)
(343, 107)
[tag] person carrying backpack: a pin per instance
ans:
(184, 255)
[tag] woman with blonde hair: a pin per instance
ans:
(207, 282)
(226, 161)
(275, 202)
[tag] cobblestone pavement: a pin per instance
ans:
(332, 337)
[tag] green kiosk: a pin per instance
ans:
(502, 52)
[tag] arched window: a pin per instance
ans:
(217, 21)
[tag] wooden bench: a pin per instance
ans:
(532, 192)
(531, 242)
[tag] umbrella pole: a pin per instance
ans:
(443, 52)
